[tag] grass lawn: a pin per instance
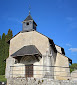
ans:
(2, 78)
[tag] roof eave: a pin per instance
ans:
(26, 55)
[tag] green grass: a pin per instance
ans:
(2, 78)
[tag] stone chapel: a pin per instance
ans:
(32, 54)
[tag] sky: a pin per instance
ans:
(56, 19)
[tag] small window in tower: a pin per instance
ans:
(27, 23)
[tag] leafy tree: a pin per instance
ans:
(73, 67)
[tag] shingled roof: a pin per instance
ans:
(27, 50)
(29, 18)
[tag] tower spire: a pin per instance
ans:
(29, 12)
(29, 7)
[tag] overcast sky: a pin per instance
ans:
(56, 19)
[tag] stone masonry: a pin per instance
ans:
(41, 81)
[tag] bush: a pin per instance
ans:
(73, 67)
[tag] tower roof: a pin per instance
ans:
(29, 18)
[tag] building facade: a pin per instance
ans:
(32, 54)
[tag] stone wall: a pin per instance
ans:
(18, 70)
(62, 70)
(48, 58)
(42, 81)
(23, 39)
(58, 48)
(29, 38)
(74, 75)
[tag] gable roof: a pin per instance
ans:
(27, 31)
(27, 50)
(50, 40)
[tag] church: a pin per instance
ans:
(32, 54)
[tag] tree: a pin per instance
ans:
(3, 45)
(4, 50)
(3, 53)
(73, 67)
(8, 37)
(0, 56)
(0, 45)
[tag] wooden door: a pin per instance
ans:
(29, 70)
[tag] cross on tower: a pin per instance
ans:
(29, 7)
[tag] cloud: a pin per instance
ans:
(73, 49)
(69, 45)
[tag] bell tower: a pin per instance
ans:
(29, 24)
